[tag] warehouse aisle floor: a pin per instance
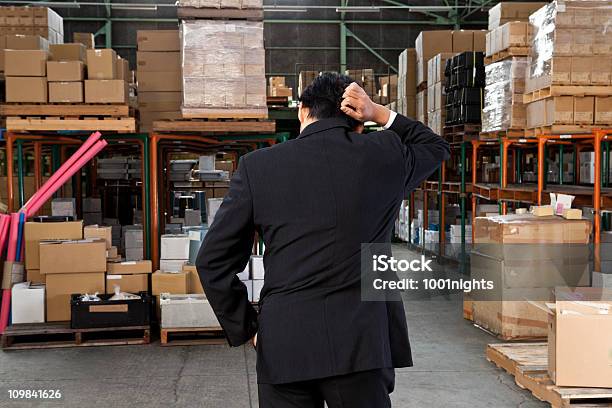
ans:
(450, 371)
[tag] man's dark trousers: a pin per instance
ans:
(365, 389)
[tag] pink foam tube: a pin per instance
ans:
(6, 293)
(42, 198)
(4, 227)
(65, 166)
(13, 238)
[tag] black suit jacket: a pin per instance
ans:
(315, 200)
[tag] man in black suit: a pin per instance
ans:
(314, 201)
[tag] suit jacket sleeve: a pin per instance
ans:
(425, 150)
(224, 253)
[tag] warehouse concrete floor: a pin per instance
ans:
(450, 371)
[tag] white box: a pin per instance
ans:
(213, 205)
(28, 303)
(186, 311)
(134, 254)
(257, 286)
(207, 163)
(175, 246)
(257, 267)
(132, 236)
(63, 207)
(171, 265)
(245, 274)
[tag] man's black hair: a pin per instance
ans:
(324, 95)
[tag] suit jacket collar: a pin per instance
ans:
(324, 124)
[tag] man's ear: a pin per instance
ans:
(303, 113)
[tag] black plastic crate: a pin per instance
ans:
(110, 313)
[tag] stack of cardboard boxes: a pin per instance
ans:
(128, 276)
(159, 76)
(387, 91)
(506, 12)
(87, 39)
(305, 78)
(436, 92)
(570, 46)
(406, 84)
(525, 256)
(277, 87)
(223, 68)
(365, 78)
(54, 73)
(429, 44)
(37, 21)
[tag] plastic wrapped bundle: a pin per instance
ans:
(219, 4)
(223, 66)
(503, 107)
(562, 30)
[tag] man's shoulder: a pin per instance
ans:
(384, 138)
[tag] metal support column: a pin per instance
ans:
(20, 173)
(561, 164)
(462, 198)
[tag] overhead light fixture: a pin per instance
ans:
(285, 9)
(355, 9)
(145, 7)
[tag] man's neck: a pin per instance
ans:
(306, 122)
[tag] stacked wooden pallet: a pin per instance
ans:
(68, 116)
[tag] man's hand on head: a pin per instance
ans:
(357, 104)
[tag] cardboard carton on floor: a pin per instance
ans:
(579, 334)
(76, 256)
(158, 40)
(34, 232)
(63, 71)
(131, 283)
(101, 64)
(66, 92)
(162, 282)
(62, 285)
(99, 231)
(106, 91)
(25, 63)
(26, 89)
(129, 267)
(27, 303)
(67, 52)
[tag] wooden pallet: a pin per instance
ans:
(215, 126)
(217, 113)
(510, 52)
(121, 125)
(496, 134)
(528, 364)
(567, 90)
(60, 335)
(461, 133)
(220, 14)
(65, 110)
(561, 130)
(192, 336)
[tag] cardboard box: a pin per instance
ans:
(25, 63)
(34, 276)
(64, 71)
(572, 213)
(87, 39)
(66, 92)
(551, 111)
(77, 256)
(542, 211)
(131, 283)
(601, 74)
(561, 70)
(129, 267)
(581, 70)
(101, 232)
(177, 283)
(430, 43)
(603, 109)
(463, 40)
(27, 303)
(576, 359)
(276, 81)
(158, 61)
(175, 246)
(171, 265)
(166, 81)
(158, 40)
(106, 91)
(514, 34)
(61, 286)
(34, 232)
(26, 89)
(101, 64)
(159, 101)
(45, 17)
(123, 69)
(67, 52)
(584, 108)
(26, 42)
(195, 284)
(511, 11)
